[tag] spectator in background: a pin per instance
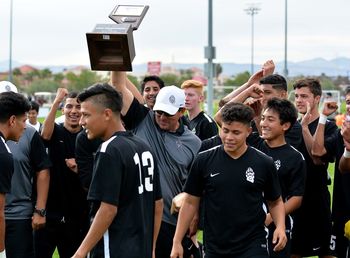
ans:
(198, 122)
(150, 87)
(33, 116)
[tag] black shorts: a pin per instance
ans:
(311, 234)
(339, 243)
(256, 249)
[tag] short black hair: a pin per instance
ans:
(12, 104)
(285, 109)
(313, 84)
(237, 112)
(277, 81)
(103, 94)
(72, 95)
(155, 78)
(34, 106)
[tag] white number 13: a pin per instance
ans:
(147, 161)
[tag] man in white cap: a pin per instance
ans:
(174, 145)
(7, 86)
(13, 109)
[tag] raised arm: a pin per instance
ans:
(344, 164)
(49, 122)
(132, 88)
(267, 69)
(119, 82)
(254, 91)
(318, 148)
(307, 119)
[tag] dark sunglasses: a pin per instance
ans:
(158, 112)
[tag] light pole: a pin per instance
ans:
(285, 69)
(252, 10)
(10, 57)
(209, 53)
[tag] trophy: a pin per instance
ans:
(111, 46)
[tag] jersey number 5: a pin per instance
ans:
(147, 161)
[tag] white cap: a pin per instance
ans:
(170, 99)
(7, 86)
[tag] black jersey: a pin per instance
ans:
(85, 151)
(203, 126)
(316, 180)
(312, 221)
(290, 165)
(341, 195)
(210, 143)
(126, 175)
(233, 192)
(6, 166)
(66, 196)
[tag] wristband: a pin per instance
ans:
(346, 153)
(3, 254)
(322, 119)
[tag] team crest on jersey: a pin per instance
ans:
(278, 164)
(250, 175)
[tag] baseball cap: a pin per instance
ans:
(170, 99)
(7, 86)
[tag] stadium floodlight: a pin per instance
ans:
(252, 10)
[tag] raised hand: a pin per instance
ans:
(268, 68)
(329, 108)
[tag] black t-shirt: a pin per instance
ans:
(203, 126)
(233, 191)
(210, 143)
(85, 150)
(6, 166)
(126, 175)
(341, 194)
(66, 196)
(316, 176)
(290, 165)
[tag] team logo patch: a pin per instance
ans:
(277, 164)
(172, 99)
(250, 175)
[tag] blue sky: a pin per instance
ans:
(52, 32)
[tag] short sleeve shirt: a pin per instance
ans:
(126, 175)
(233, 192)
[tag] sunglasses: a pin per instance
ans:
(158, 112)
